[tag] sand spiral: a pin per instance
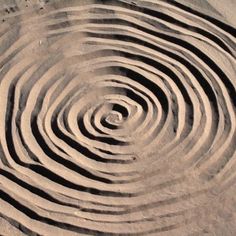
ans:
(117, 118)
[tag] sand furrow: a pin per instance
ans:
(117, 118)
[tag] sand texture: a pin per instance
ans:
(118, 117)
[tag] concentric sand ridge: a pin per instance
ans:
(117, 118)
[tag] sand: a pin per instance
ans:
(118, 117)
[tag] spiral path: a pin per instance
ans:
(116, 118)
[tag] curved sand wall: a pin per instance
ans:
(117, 118)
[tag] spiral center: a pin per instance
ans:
(114, 117)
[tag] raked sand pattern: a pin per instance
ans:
(117, 118)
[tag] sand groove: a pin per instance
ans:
(117, 118)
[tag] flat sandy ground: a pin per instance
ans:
(118, 117)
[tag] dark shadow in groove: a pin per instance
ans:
(204, 84)
(131, 74)
(108, 125)
(41, 170)
(8, 127)
(216, 22)
(35, 216)
(77, 146)
(37, 191)
(110, 141)
(19, 226)
(160, 15)
(70, 165)
(120, 109)
(184, 44)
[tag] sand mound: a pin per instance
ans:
(117, 118)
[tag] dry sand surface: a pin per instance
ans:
(118, 117)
